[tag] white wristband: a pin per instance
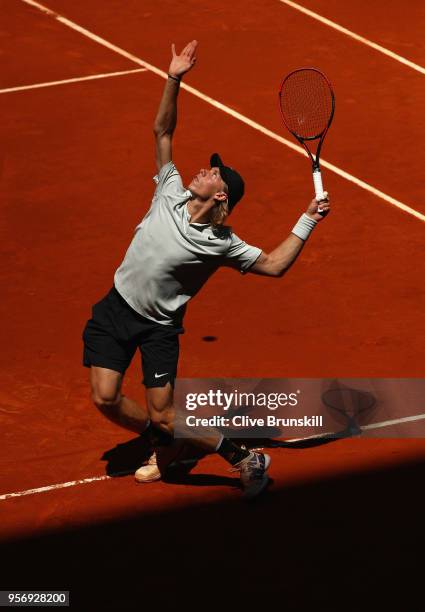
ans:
(304, 226)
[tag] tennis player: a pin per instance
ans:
(178, 245)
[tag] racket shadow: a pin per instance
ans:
(350, 407)
(353, 408)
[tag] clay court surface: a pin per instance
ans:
(341, 520)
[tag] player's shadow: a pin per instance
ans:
(203, 480)
(125, 458)
(180, 477)
(349, 407)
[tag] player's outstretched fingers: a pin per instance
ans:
(192, 49)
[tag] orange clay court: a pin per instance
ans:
(79, 89)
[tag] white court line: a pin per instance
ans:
(362, 39)
(73, 483)
(62, 485)
(416, 417)
(349, 177)
(409, 419)
(92, 77)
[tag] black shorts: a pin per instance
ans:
(116, 330)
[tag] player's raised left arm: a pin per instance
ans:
(166, 118)
(281, 259)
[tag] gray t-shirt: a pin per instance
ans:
(169, 258)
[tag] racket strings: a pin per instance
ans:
(306, 103)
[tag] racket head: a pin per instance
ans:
(307, 103)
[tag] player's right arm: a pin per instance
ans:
(282, 257)
(166, 118)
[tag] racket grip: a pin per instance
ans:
(318, 185)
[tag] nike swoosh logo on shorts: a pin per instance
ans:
(159, 375)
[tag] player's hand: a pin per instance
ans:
(180, 64)
(319, 208)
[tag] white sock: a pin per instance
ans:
(219, 442)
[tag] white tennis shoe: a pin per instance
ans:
(161, 461)
(254, 478)
(148, 472)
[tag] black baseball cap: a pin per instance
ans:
(232, 179)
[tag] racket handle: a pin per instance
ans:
(318, 185)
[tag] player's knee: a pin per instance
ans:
(105, 389)
(106, 400)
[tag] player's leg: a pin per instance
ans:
(107, 396)
(160, 353)
(108, 350)
(251, 465)
(160, 405)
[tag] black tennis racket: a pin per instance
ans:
(307, 105)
